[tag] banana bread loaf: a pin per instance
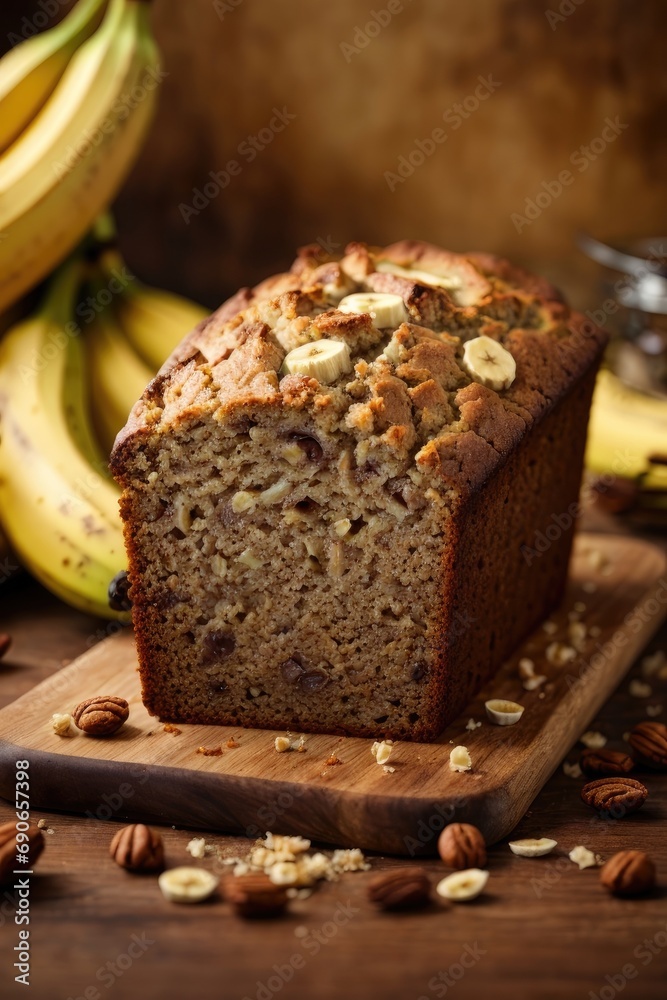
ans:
(332, 490)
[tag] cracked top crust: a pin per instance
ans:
(409, 406)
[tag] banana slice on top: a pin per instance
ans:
(450, 281)
(489, 363)
(385, 310)
(322, 359)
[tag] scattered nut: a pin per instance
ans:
(649, 742)
(187, 885)
(284, 873)
(526, 668)
(503, 713)
(169, 728)
(605, 763)
(461, 845)
(462, 886)
(571, 770)
(9, 848)
(137, 848)
(101, 716)
(593, 740)
(584, 858)
(256, 896)
(532, 683)
(382, 751)
(616, 797)
(558, 654)
(549, 627)
(653, 710)
(60, 723)
(640, 689)
(531, 848)
(400, 889)
(628, 873)
(653, 664)
(460, 760)
(196, 847)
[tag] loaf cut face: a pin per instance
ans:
(355, 555)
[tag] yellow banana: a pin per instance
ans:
(30, 71)
(117, 376)
(626, 428)
(155, 321)
(57, 504)
(70, 162)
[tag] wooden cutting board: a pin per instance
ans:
(334, 791)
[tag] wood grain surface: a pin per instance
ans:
(543, 930)
(149, 774)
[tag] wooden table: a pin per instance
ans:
(543, 929)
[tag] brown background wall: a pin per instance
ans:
(324, 174)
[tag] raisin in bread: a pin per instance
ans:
(340, 537)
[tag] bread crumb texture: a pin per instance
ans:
(346, 557)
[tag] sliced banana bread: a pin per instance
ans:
(333, 489)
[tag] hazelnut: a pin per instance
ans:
(461, 845)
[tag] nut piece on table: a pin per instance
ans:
(187, 885)
(102, 715)
(616, 796)
(532, 848)
(461, 845)
(605, 763)
(256, 896)
(649, 742)
(10, 847)
(462, 886)
(400, 889)
(137, 848)
(628, 873)
(460, 760)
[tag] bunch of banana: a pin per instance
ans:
(128, 342)
(627, 431)
(74, 105)
(69, 375)
(58, 505)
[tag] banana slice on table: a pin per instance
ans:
(322, 359)
(489, 363)
(385, 310)
(462, 886)
(532, 848)
(187, 885)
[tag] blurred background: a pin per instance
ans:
(521, 90)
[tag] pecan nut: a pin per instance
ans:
(628, 873)
(615, 797)
(11, 843)
(605, 763)
(649, 742)
(137, 848)
(461, 846)
(400, 889)
(256, 896)
(101, 716)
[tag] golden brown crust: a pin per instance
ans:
(445, 421)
